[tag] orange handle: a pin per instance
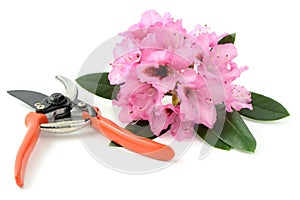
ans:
(129, 140)
(32, 121)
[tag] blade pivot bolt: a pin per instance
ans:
(57, 99)
(81, 104)
(39, 106)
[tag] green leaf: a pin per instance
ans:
(99, 85)
(140, 128)
(236, 133)
(211, 137)
(227, 39)
(113, 144)
(264, 108)
(229, 132)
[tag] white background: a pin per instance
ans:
(40, 40)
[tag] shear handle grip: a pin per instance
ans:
(32, 121)
(131, 141)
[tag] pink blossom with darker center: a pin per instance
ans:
(157, 58)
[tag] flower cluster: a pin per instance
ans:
(174, 78)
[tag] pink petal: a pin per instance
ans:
(143, 100)
(160, 119)
(122, 66)
(166, 58)
(223, 54)
(124, 115)
(136, 99)
(162, 77)
(238, 98)
(182, 129)
(232, 72)
(157, 75)
(204, 37)
(150, 17)
(213, 80)
(127, 45)
(196, 104)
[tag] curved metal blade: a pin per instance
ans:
(65, 126)
(71, 89)
(27, 96)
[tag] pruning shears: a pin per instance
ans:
(64, 113)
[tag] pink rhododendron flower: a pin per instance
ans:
(223, 54)
(196, 103)
(136, 99)
(164, 77)
(160, 118)
(182, 129)
(237, 98)
(158, 58)
(153, 19)
(122, 65)
(204, 38)
(165, 58)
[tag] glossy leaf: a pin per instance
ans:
(236, 133)
(99, 85)
(229, 132)
(140, 128)
(212, 138)
(113, 144)
(227, 39)
(264, 108)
